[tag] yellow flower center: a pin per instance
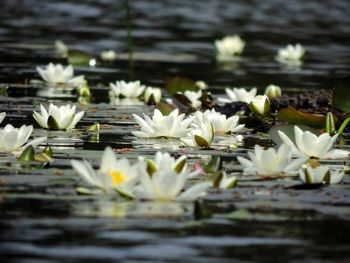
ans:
(117, 177)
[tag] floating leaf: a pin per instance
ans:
(79, 58)
(341, 95)
(292, 115)
(288, 129)
(27, 155)
(165, 108)
(179, 84)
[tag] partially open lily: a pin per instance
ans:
(132, 89)
(13, 139)
(113, 174)
(227, 182)
(320, 174)
(201, 135)
(270, 162)
(260, 105)
(273, 91)
(310, 145)
(152, 95)
(58, 118)
(57, 74)
(220, 123)
(239, 94)
(229, 47)
(165, 179)
(109, 55)
(194, 97)
(291, 55)
(172, 125)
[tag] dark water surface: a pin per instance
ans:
(41, 217)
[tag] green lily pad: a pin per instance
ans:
(179, 84)
(294, 116)
(79, 58)
(341, 95)
(165, 108)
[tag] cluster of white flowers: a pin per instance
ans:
(163, 178)
(231, 47)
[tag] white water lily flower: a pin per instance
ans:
(310, 145)
(132, 89)
(227, 182)
(109, 55)
(58, 118)
(320, 174)
(61, 48)
(172, 125)
(273, 91)
(239, 94)
(228, 47)
(200, 135)
(57, 74)
(270, 162)
(156, 93)
(220, 123)
(291, 55)
(2, 116)
(260, 105)
(13, 139)
(167, 180)
(201, 84)
(194, 97)
(113, 174)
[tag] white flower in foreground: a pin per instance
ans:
(270, 162)
(320, 174)
(194, 97)
(310, 145)
(239, 94)
(229, 46)
(132, 89)
(108, 55)
(12, 139)
(220, 123)
(152, 95)
(57, 74)
(2, 116)
(273, 91)
(260, 105)
(58, 118)
(291, 55)
(113, 174)
(200, 135)
(172, 125)
(167, 181)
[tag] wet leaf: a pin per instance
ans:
(294, 116)
(27, 155)
(341, 95)
(179, 84)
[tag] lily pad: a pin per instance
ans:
(341, 95)
(179, 84)
(292, 115)
(165, 108)
(79, 58)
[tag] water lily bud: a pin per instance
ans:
(273, 91)
(84, 91)
(260, 105)
(109, 55)
(201, 84)
(152, 95)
